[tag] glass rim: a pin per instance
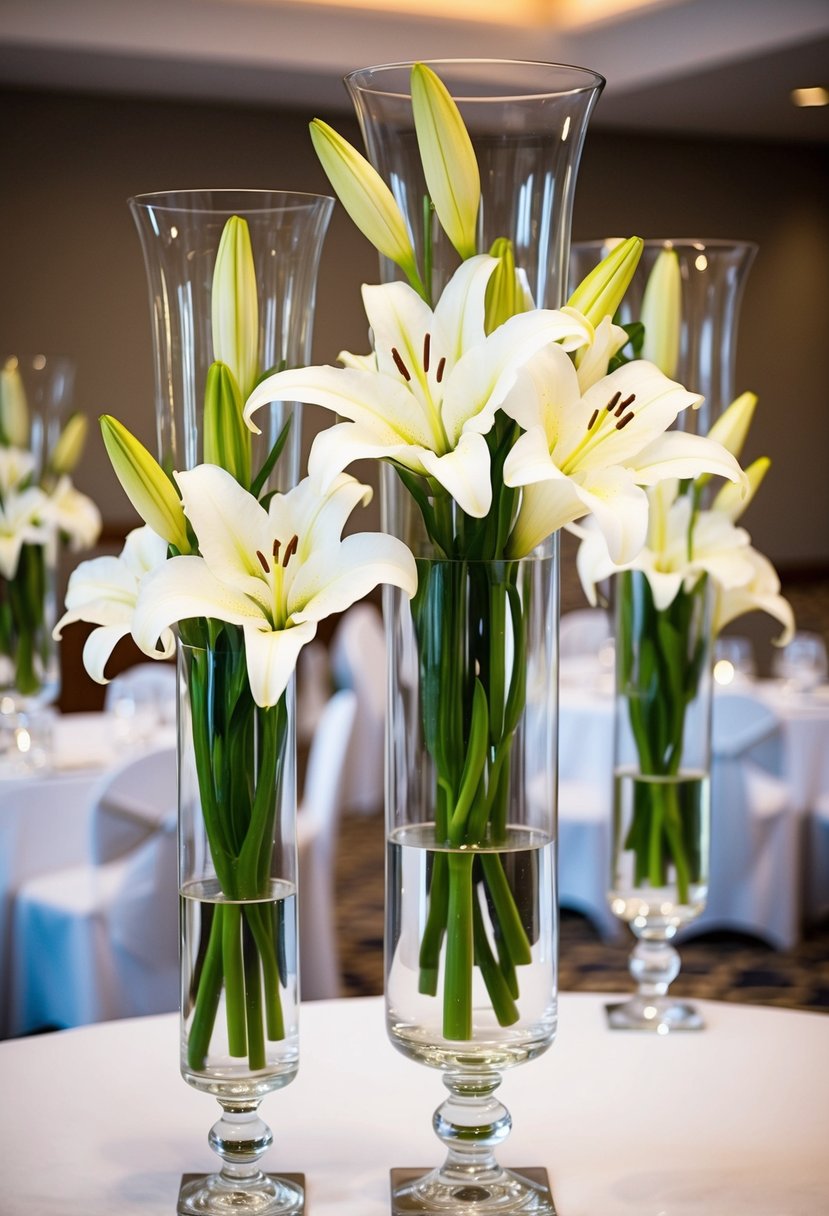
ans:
(182, 201)
(357, 81)
(698, 243)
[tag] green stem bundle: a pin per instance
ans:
(24, 628)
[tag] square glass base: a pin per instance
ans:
(657, 1016)
(530, 1193)
(282, 1195)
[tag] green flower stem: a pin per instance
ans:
(496, 982)
(262, 930)
(234, 979)
(208, 994)
(432, 940)
(25, 618)
(509, 920)
(257, 1057)
(457, 987)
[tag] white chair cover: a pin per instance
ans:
(130, 804)
(313, 688)
(358, 662)
(754, 879)
(100, 941)
(317, 826)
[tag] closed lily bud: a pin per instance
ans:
(449, 162)
(226, 438)
(69, 447)
(731, 428)
(366, 198)
(14, 412)
(235, 305)
(502, 294)
(662, 313)
(601, 292)
(145, 483)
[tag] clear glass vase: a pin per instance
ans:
(35, 396)
(238, 918)
(661, 805)
(713, 274)
(180, 234)
(471, 911)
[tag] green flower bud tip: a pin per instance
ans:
(661, 313)
(69, 447)
(601, 292)
(145, 484)
(449, 162)
(14, 412)
(235, 306)
(366, 198)
(226, 438)
(732, 426)
(502, 289)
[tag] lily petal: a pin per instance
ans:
(272, 658)
(336, 577)
(682, 455)
(465, 473)
(184, 588)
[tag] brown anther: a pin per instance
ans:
(276, 545)
(290, 550)
(611, 405)
(624, 404)
(592, 420)
(399, 364)
(441, 367)
(624, 421)
(263, 561)
(427, 343)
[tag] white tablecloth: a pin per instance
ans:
(729, 1121)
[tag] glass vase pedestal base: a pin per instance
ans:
(282, 1194)
(520, 1190)
(657, 1015)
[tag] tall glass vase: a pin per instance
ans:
(471, 913)
(238, 920)
(713, 274)
(180, 234)
(35, 396)
(661, 807)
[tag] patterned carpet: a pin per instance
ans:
(718, 966)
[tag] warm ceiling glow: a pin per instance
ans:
(495, 12)
(811, 97)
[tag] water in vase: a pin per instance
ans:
(240, 1032)
(518, 873)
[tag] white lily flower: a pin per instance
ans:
(74, 514)
(761, 594)
(23, 521)
(591, 452)
(275, 572)
(438, 379)
(104, 592)
(16, 468)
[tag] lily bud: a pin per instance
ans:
(732, 426)
(226, 438)
(661, 313)
(14, 412)
(733, 499)
(235, 305)
(69, 447)
(145, 483)
(449, 162)
(601, 292)
(502, 299)
(366, 198)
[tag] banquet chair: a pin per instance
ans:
(317, 832)
(147, 686)
(358, 662)
(754, 882)
(100, 940)
(130, 803)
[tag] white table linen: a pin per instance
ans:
(725, 1122)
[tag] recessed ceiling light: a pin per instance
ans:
(811, 97)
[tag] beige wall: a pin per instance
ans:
(73, 280)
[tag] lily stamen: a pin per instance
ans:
(399, 364)
(292, 546)
(263, 561)
(427, 342)
(441, 366)
(611, 405)
(622, 423)
(624, 404)
(276, 547)
(592, 421)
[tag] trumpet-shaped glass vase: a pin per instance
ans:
(180, 234)
(238, 920)
(661, 813)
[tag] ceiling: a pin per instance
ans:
(721, 67)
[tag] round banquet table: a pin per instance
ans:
(731, 1120)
